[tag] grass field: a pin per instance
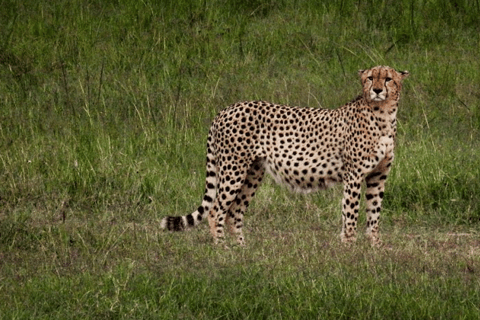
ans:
(105, 107)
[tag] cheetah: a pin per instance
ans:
(307, 149)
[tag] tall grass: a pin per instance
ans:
(104, 113)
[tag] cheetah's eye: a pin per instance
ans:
(370, 78)
(388, 79)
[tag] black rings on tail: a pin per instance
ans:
(182, 222)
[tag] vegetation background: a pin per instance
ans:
(105, 107)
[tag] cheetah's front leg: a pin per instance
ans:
(374, 196)
(350, 206)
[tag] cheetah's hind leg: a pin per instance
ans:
(231, 182)
(240, 205)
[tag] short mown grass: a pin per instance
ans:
(104, 113)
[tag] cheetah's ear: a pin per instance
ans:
(360, 72)
(403, 74)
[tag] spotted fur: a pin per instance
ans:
(306, 149)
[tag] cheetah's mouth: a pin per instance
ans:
(381, 96)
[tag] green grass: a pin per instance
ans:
(104, 113)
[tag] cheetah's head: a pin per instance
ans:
(382, 83)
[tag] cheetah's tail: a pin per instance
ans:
(180, 223)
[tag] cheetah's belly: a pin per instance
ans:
(306, 175)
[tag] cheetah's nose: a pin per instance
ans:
(377, 91)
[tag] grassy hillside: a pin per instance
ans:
(104, 112)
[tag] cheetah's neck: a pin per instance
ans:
(386, 116)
